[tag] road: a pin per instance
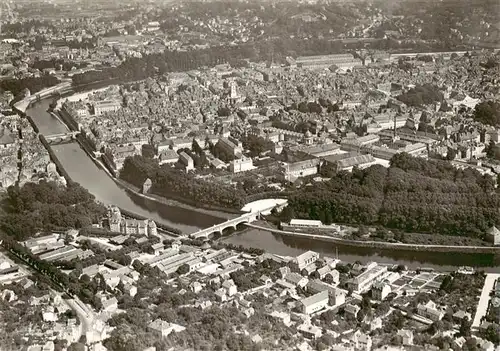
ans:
(482, 306)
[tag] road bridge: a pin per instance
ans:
(245, 218)
(61, 138)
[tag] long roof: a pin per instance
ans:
(321, 296)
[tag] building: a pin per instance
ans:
(241, 165)
(309, 331)
(303, 260)
(230, 287)
(174, 144)
(230, 147)
(305, 223)
(351, 310)
(115, 155)
(357, 143)
(362, 161)
(101, 107)
(168, 157)
(321, 150)
(146, 186)
(322, 272)
(336, 295)
(332, 277)
(186, 160)
(293, 171)
(493, 235)
(164, 328)
(110, 305)
(296, 279)
(365, 280)
(138, 227)
(380, 290)
(281, 317)
(407, 336)
(430, 311)
(344, 61)
(315, 302)
(129, 226)
(362, 341)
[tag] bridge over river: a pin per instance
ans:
(61, 138)
(254, 209)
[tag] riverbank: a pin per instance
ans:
(384, 245)
(152, 197)
(179, 202)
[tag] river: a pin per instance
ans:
(82, 169)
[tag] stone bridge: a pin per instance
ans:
(250, 217)
(61, 138)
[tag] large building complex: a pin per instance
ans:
(129, 226)
(345, 61)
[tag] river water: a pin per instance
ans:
(82, 169)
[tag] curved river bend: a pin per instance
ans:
(82, 169)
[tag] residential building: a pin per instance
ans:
(365, 280)
(195, 287)
(315, 302)
(110, 305)
(186, 160)
(230, 287)
(296, 279)
(308, 270)
(362, 341)
(309, 331)
(380, 290)
(351, 310)
(241, 165)
(281, 316)
(461, 315)
(430, 311)
(164, 328)
(332, 277)
(322, 272)
(361, 161)
(407, 336)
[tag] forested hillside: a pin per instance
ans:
(414, 195)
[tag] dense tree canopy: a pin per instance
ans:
(171, 182)
(46, 206)
(413, 194)
(422, 95)
(16, 86)
(488, 112)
